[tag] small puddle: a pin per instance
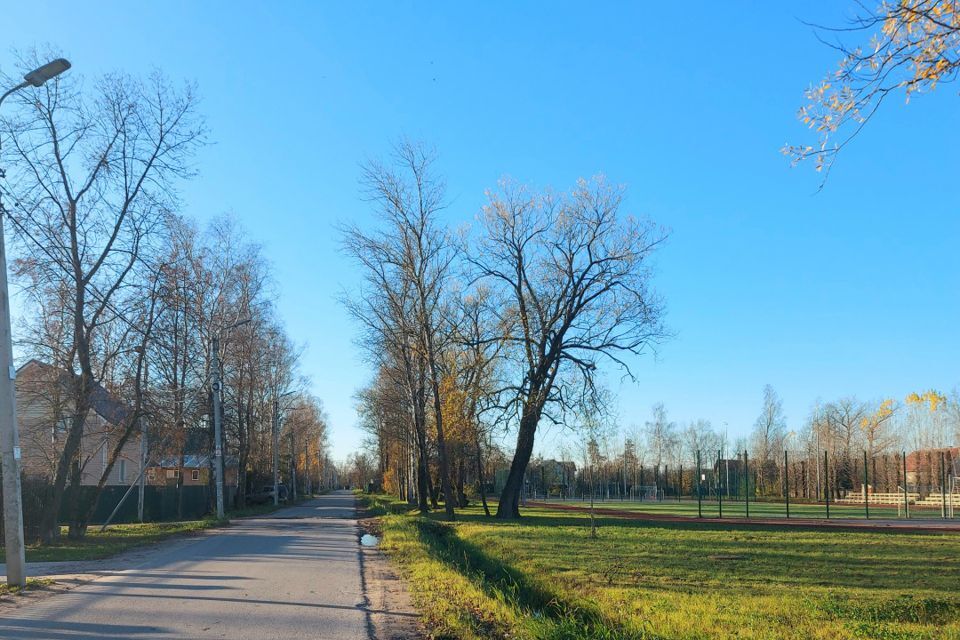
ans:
(368, 540)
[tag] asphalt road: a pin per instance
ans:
(295, 574)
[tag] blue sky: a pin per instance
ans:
(852, 290)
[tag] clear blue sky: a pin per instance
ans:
(849, 291)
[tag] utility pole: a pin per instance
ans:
(293, 467)
(306, 469)
(143, 445)
(217, 436)
(276, 451)
(9, 432)
(10, 445)
(143, 467)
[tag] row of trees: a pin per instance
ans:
(123, 293)
(503, 329)
(664, 454)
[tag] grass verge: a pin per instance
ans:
(544, 577)
(32, 584)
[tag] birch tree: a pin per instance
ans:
(94, 175)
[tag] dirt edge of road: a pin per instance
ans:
(392, 615)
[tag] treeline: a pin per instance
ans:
(839, 448)
(124, 294)
(497, 330)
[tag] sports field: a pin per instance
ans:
(738, 509)
(544, 576)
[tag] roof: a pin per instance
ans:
(103, 403)
(196, 461)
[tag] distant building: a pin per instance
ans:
(44, 411)
(195, 469)
(923, 466)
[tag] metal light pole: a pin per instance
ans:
(276, 447)
(218, 446)
(276, 451)
(217, 387)
(10, 436)
(293, 468)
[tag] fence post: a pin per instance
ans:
(943, 484)
(906, 503)
(786, 480)
(699, 487)
(680, 490)
(746, 480)
(866, 479)
(826, 483)
(719, 492)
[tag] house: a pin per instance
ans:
(196, 471)
(44, 406)
(923, 466)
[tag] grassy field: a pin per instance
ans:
(544, 577)
(711, 509)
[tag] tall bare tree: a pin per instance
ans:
(576, 275)
(93, 178)
(768, 435)
(410, 257)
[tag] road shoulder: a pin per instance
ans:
(387, 600)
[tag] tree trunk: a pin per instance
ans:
(480, 480)
(509, 507)
(449, 497)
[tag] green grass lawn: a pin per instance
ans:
(114, 540)
(544, 577)
(737, 508)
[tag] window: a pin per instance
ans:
(173, 473)
(150, 474)
(123, 471)
(195, 475)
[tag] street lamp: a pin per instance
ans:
(216, 388)
(276, 446)
(10, 437)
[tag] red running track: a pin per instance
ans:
(880, 524)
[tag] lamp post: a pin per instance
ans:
(276, 446)
(10, 437)
(217, 387)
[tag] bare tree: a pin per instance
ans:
(409, 262)
(94, 177)
(768, 435)
(577, 278)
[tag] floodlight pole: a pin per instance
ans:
(9, 433)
